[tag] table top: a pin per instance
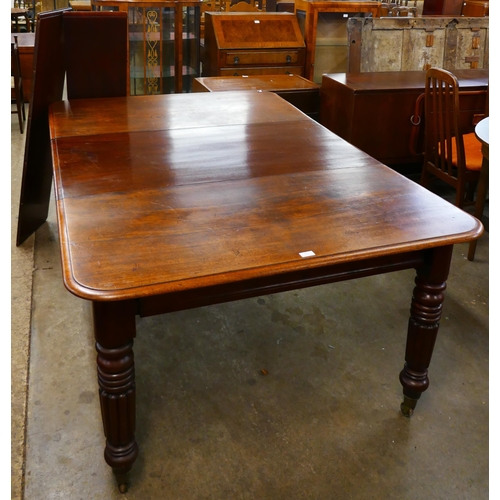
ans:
(270, 83)
(483, 131)
(159, 194)
(405, 80)
(16, 11)
(24, 39)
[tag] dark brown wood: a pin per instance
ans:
(48, 83)
(373, 111)
(442, 7)
(443, 135)
(209, 197)
(295, 89)
(95, 45)
(423, 325)
(79, 45)
(17, 90)
(26, 43)
(476, 8)
(245, 43)
(114, 329)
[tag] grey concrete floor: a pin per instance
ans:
(324, 423)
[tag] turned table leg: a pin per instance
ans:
(114, 328)
(423, 325)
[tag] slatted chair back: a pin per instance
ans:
(449, 155)
(242, 6)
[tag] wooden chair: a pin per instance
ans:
(449, 155)
(91, 49)
(242, 6)
(17, 90)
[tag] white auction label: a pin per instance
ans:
(309, 253)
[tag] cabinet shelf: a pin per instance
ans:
(163, 43)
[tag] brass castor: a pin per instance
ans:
(407, 406)
(122, 480)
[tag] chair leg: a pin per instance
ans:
(20, 115)
(482, 189)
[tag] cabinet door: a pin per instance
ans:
(164, 50)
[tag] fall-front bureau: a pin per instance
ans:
(247, 43)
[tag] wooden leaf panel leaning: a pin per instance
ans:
(176, 201)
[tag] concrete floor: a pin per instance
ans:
(324, 423)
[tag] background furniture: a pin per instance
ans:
(20, 18)
(240, 43)
(376, 112)
(61, 35)
(164, 43)
(482, 132)
(95, 47)
(295, 89)
(236, 195)
(323, 24)
(442, 7)
(26, 45)
(476, 8)
(446, 155)
(416, 44)
(17, 92)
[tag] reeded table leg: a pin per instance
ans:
(423, 325)
(114, 327)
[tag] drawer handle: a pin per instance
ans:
(288, 59)
(236, 60)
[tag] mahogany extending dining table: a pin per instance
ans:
(170, 202)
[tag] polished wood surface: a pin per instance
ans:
(271, 83)
(295, 89)
(309, 208)
(175, 201)
(246, 43)
(47, 87)
(374, 111)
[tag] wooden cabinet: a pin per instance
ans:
(417, 43)
(442, 7)
(324, 25)
(248, 43)
(164, 43)
(374, 111)
(476, 8)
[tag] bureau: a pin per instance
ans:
(252, 43)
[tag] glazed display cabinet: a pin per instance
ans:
(164, 44)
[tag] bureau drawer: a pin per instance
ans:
(252, 58)
(274, 70)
